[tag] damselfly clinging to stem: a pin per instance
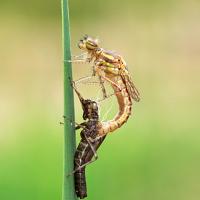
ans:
(112, 68)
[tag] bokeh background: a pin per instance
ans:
(156, 155)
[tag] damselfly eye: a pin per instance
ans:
(85, 37)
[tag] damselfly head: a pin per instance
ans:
(88, 43)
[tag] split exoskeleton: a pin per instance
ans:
(88, 144)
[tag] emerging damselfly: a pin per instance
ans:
(112, 68)
(109, 67)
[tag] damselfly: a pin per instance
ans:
(112, 68)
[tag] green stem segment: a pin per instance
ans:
(69, 131)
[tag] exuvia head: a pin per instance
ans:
(88, 43)
(90, 109)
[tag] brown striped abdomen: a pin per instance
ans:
(83, 155)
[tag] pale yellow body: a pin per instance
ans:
(112, 68)
(124, 103)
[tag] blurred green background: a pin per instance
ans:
(156, 155)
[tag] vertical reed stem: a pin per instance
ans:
(69, 131)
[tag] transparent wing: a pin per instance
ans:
(96, 82)
(132, 90)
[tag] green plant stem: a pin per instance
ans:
(69, 131)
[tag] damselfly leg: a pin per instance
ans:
(79, 59)
(102, 87)
(84, 60)
(77, 125)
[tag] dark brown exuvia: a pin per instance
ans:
(88, 145)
